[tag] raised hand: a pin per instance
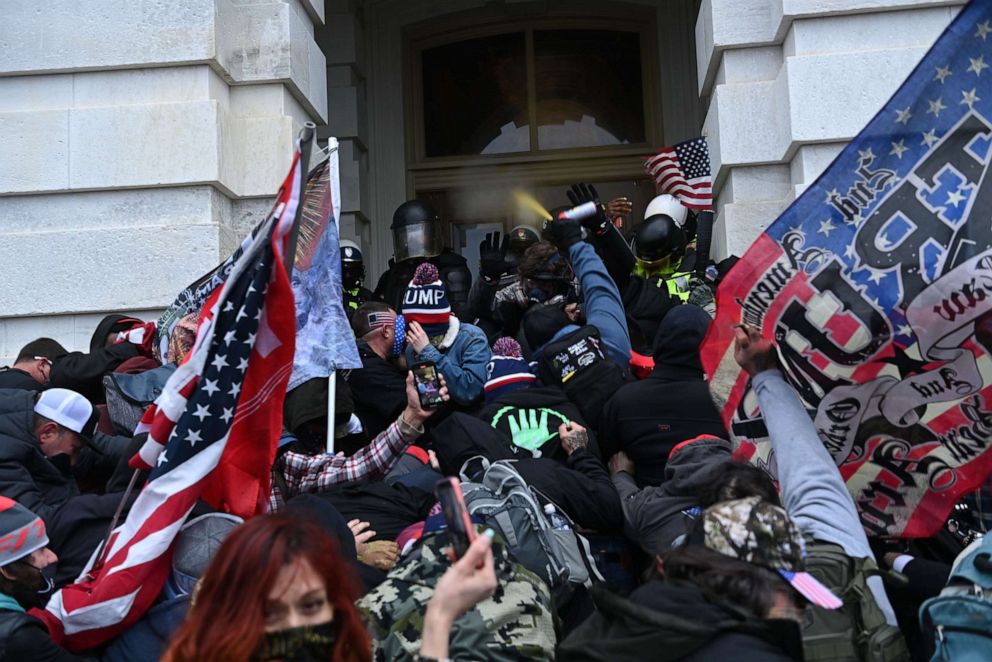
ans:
(492, 256)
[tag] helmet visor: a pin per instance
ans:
(417, 240)
(664, 267)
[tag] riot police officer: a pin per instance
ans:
(353, 277)
(417, 238)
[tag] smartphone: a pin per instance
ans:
(449, 493)
(428, 384)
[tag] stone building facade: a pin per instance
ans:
(140, 139)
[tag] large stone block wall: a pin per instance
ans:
(139, 140)
(788, 83)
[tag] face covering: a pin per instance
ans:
(33, 591)
(308, 643)
(400, 338)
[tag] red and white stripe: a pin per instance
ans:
(664, 167)
(116, 593)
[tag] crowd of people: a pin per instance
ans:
(612, 518)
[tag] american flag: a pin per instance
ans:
(683, 170)
(875, 284)
(212, 435)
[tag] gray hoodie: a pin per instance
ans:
(655, 517)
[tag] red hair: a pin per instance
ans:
(226, 621)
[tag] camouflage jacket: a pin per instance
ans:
(516, 623)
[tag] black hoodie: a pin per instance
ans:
(83, 373)
(549, 405)
(664, 621)
(648, 418)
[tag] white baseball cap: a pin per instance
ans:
(69, 409)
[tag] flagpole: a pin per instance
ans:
(704, 240)
(305, 140)
(332, 387)
(105, 545)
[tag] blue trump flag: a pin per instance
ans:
(324, 341)
(876, 285)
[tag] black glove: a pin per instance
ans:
(492, 257)
(565, 232)
(581, 193)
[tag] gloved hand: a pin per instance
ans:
(492, 257)
(581, 193)
(565, 232)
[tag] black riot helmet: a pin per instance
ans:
(522, 237)
(659, 246)
(352, 265)
(416, 231)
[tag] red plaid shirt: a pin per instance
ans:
(315, 473)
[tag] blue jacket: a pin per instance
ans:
(463, 364)
(603, 306)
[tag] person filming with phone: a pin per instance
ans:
(459, 350)
(295, 473)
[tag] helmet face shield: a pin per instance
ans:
(663, 268)
(417, 240)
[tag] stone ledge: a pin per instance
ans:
(100, 267)
(731, 24)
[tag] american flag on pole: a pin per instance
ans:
(212, 435)
(876, 285)
(683, 170)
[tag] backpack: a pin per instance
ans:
(960, 618)
(503, 500)
(578, 366)
(858, 630)
(516, 623)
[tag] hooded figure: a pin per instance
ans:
(525, 411)
(646, 419)
(459, 350)
(84, 373)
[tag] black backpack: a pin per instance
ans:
(578, 365)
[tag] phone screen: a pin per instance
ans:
(428, 385)
(456, 517)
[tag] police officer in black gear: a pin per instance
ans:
(659, 244)
(417, 238)
(353, 277)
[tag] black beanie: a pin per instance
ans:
(541, 323)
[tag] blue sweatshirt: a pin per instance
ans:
(813, 491)
(603, 306)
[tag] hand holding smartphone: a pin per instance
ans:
(428, 384)
(449, 493)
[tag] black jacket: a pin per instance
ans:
(46, 486)
(581, 486)
(40, 484)
(559, 409)
(646, 419)
(664, 621)
(24, 637)
(84, 373)
(378, 389)
(17, 378)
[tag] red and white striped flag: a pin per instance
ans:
(683, 170)
(212, 435)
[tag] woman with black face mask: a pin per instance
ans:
(278, 589)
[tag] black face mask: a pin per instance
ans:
(34, 590)
(309, 643)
